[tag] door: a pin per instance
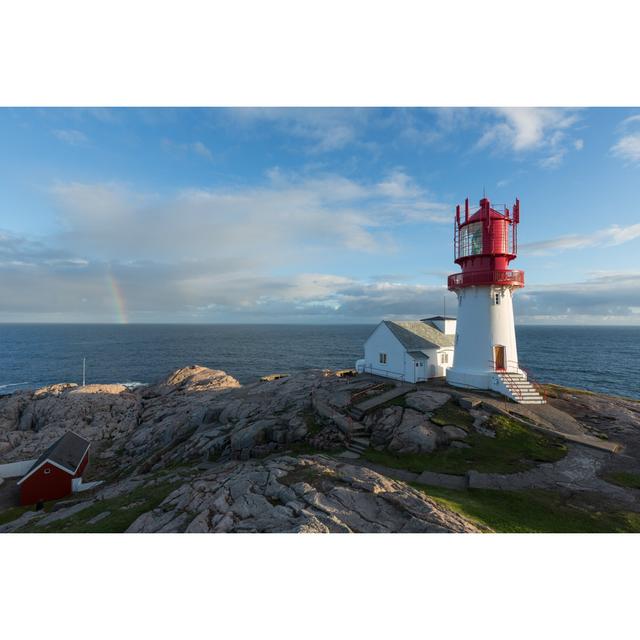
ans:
(498, 357)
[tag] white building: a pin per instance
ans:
(411, 351)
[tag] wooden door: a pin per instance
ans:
(498, 357)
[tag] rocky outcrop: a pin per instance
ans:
(198, 379)
(308, 494)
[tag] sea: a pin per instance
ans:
(605, 359)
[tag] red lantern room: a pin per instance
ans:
(484, 244)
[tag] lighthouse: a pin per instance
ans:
(486, 354)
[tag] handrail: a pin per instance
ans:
(371, 369)
(537, 386)
(367, 390)
(509, 277)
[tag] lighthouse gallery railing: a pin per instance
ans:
(512, 277)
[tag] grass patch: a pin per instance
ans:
(623, 479)
(451, 413)
(515, 448)
(531, 511)
(124, 510)
(13, 513)
(311, 420)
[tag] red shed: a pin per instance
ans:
(51, 475)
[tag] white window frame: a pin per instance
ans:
(382, 358)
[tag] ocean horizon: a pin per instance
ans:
(595, 358)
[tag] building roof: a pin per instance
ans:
(438, 318)
(415, 335)
(67, 453)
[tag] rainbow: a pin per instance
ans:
(118, 299)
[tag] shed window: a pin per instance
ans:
(47, 471)
(383, 358)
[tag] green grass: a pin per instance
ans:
(13, 513)
(451, 413)
(623, 479)
(125, 509)
(311, 420)
(515, 448)
(531, 511)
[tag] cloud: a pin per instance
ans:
(212, 253)
(39, 283)
(627, 146)
(324, 129)
(611, 236)
(604, 297)
(198, 148)
(521, 130)
(71, 136)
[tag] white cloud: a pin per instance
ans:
(71, 136)
(611, 236)
(324, 129)
(532, 129)
(627, 146)
(213, 253)
(198, 148)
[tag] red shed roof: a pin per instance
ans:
(66, 453)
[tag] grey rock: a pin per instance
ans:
(426, 401)
(452, 432)
(415, 434)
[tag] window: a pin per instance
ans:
(497, 298)
(383, 358)
(444, 358)
(47, 471)
(471, 239)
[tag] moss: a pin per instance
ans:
(623, 479)
(515, 448)
(530, 511)
(451, 413)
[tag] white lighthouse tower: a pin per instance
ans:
(486, 355)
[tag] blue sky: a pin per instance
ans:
(309, 215)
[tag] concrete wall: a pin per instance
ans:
(482, 324)
(15, 469)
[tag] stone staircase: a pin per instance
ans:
(358, 440)
(519, 389)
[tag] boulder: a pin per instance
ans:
(415, 434)
(425, 400)
(452, 432)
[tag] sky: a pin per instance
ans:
(309, 215)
